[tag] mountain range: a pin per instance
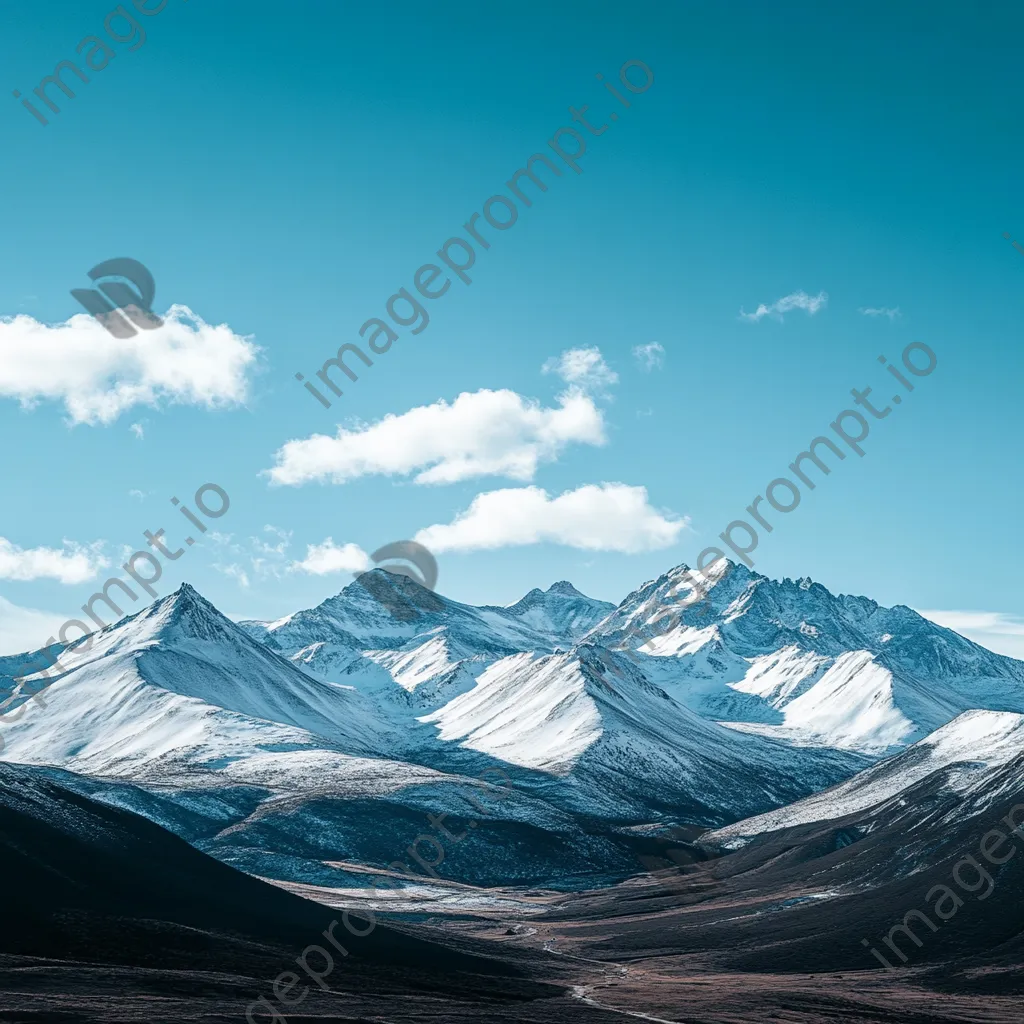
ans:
(777, 725)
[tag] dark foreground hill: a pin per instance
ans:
(108, 917)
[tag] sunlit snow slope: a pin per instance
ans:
(963, 757)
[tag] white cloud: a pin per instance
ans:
(74, 563)
(328, 557)
(583, 368)
(98, 376)
(135, 493)
(604, 517)
(995, 630)
(881, 311)
(649, 356)
(26, 629)
(798, 300)
(136, 429)
(481, 433)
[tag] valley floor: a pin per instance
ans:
(667, 990)
(688, 989)
(569, 941)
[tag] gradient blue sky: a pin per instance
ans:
(283, 170)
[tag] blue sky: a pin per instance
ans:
(282, 173)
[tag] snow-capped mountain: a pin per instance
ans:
(384, 628)
(383, 610)
(561, 612)
(177, 694)
(178, 687)
(791, 660)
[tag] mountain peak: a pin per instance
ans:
(564, 587)
(560, 620)
(186, 610)
(377, 581)
(188, 593)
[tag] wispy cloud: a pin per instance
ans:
(254, 558)
(136, 429)
(649, 356)
(97, 377)
(595, 517)
(998, 631)
(483, 433)
(278, 545)
(881, 311)
(233, 571)
(798, 300)
(70, 564)
(583, 368)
